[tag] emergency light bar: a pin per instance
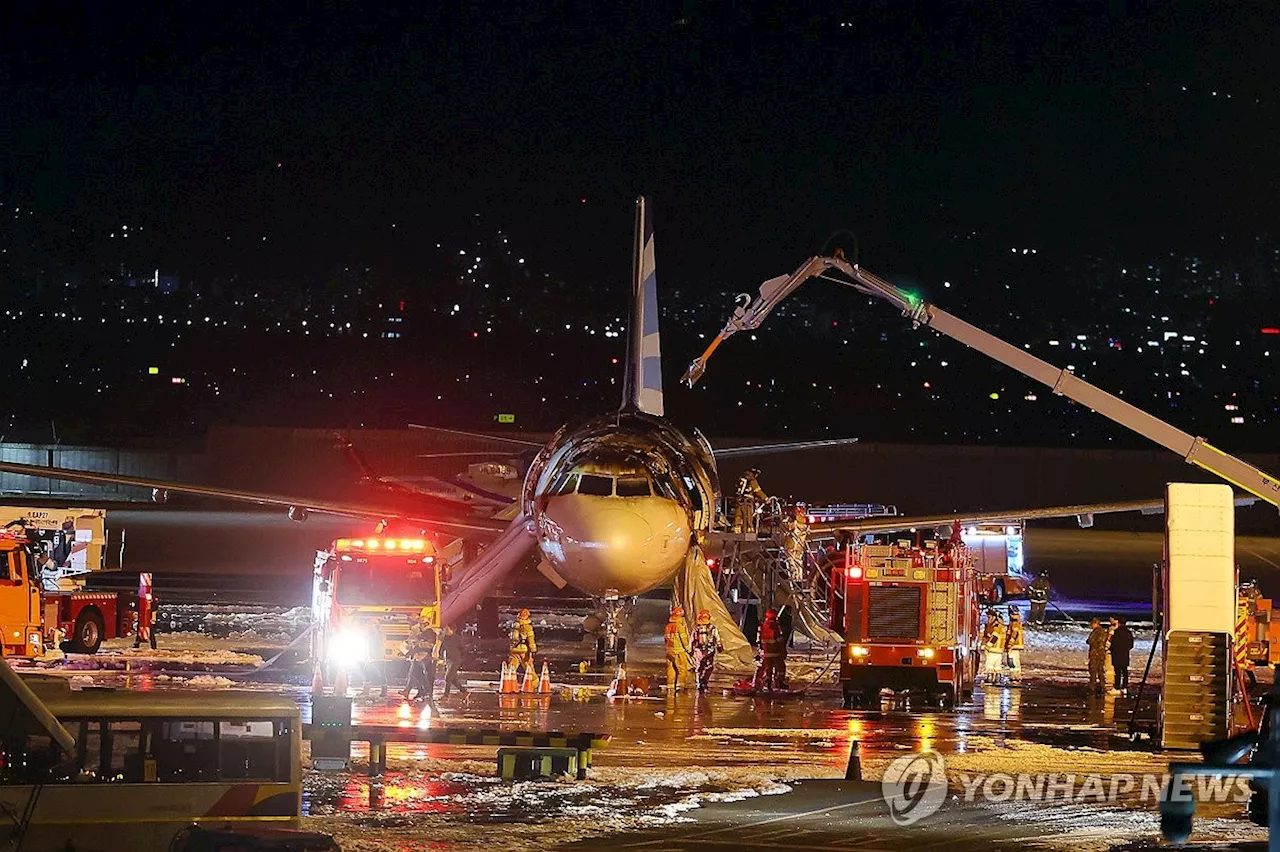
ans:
(407, 545)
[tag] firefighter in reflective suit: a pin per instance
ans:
(676, 638)
(523, 644)
(772, 673)
(749, 496)
(706, 644)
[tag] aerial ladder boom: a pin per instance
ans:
(750, 314)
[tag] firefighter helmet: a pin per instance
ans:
(524, 615)
(704, 616)
(425, 612)
(771, 615)
(677, 612)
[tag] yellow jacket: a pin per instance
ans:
(522, 637)
(676, 636)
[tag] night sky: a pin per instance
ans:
(761, 134)
(274, 141)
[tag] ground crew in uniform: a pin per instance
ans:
(523, 643)
(706, 644)
(772, 673)
(1014, 641)
(1098, 638)
(993, 649)
(1121, 646)
(749, 496)
(450, 650)
(676, 637)
(1039, 595)
(1108, 662)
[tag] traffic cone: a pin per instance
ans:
(853, 772)
(508, 679)
(530, 685)
(544, 682)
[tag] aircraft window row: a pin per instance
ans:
(132, 751)
(599, 485)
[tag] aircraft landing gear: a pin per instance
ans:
(609, 644)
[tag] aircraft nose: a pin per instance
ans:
(619, 529)
(600, 546)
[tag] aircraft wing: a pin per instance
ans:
(731, 452)
(1083, 512)
(451, 517)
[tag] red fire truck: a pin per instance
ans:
(910, 620)
(39, 605)
(366, 594)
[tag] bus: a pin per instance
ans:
(146, 765)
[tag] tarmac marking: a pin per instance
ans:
(750, 825)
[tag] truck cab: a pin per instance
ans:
(20, 602)
(366, 595)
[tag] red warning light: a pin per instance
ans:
(1271, 330)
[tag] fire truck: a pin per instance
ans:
(996, 553)
(366, 594)
(1257, 632)
(910, 621)
(44, 556)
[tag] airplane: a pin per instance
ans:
(615, 506)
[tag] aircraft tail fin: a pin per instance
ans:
(642, 387)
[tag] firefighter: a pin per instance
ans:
(1014, 642)
(1099, 637)
(1039, 595)
(147, 625)
(420, 650)
(772, 673)
(706, 644)
(676, 638)
(450, 646)
(993, 639)
(523, 643)
(749, 496)
(795, 533)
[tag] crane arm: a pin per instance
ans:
(750, 314)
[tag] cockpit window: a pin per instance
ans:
(633, 486)
(566, 484)
(595, 486)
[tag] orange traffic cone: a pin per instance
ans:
(544, 682)
(508, 679)
(529, 685)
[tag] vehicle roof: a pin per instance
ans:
(65, 702)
